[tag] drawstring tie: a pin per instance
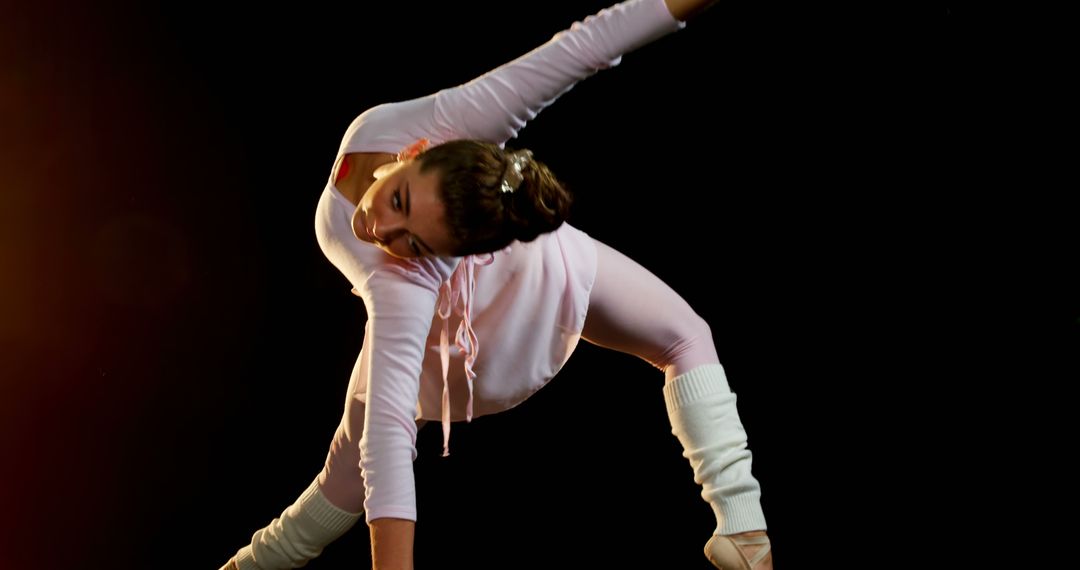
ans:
(455, 295)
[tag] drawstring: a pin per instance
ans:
(456, 295)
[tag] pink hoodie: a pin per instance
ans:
(525, 305)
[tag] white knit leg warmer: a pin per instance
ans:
(299, 535)
(701, 408)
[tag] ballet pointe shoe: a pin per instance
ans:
(724, 552)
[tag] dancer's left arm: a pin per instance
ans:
(688, 9)
(400, 303)
(496, 105)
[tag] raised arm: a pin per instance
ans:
(496, 105)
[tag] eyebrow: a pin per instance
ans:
(408, 203)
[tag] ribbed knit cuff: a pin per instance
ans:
(701, 382)
(312, 505)
(245, 560)
(741, 513)
(333, 519)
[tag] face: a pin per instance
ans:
(402, 214)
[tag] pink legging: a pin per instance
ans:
(630, 310)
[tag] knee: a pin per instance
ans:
(694, 346)
(699, 328)
(344, 454)
(341, 480)
(693, 331)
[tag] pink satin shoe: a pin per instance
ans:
(724, 551)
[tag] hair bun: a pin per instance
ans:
(540, 203)
(493, 196)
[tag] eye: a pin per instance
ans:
(396, 200)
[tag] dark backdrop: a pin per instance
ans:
(176, 347)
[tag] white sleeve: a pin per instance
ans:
(400, 310)
(496, 105)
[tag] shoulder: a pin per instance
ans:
(389, 127)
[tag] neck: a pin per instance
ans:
(354, 173)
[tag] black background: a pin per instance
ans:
(176, 347)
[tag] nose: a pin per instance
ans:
(375, 231)
(383, 232)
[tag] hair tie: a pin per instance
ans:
(512, 177)
(412, 150)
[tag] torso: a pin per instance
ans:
(352, 175)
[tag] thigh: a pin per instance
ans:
(341, 480)
(356, 398)
(352, 421)
(631, 310)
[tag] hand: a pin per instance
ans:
(684, 10)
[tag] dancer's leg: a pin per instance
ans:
(331, 505)
(631, 310)
(341, 480)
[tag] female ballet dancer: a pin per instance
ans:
(436, 225)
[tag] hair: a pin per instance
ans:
(482, 218)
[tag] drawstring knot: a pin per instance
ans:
(455, 296)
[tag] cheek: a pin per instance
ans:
(373, 195)
(446, 235)
(374, 208)
(367, 201)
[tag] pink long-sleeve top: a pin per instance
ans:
(517, 313)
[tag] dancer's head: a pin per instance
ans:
(450, 200)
